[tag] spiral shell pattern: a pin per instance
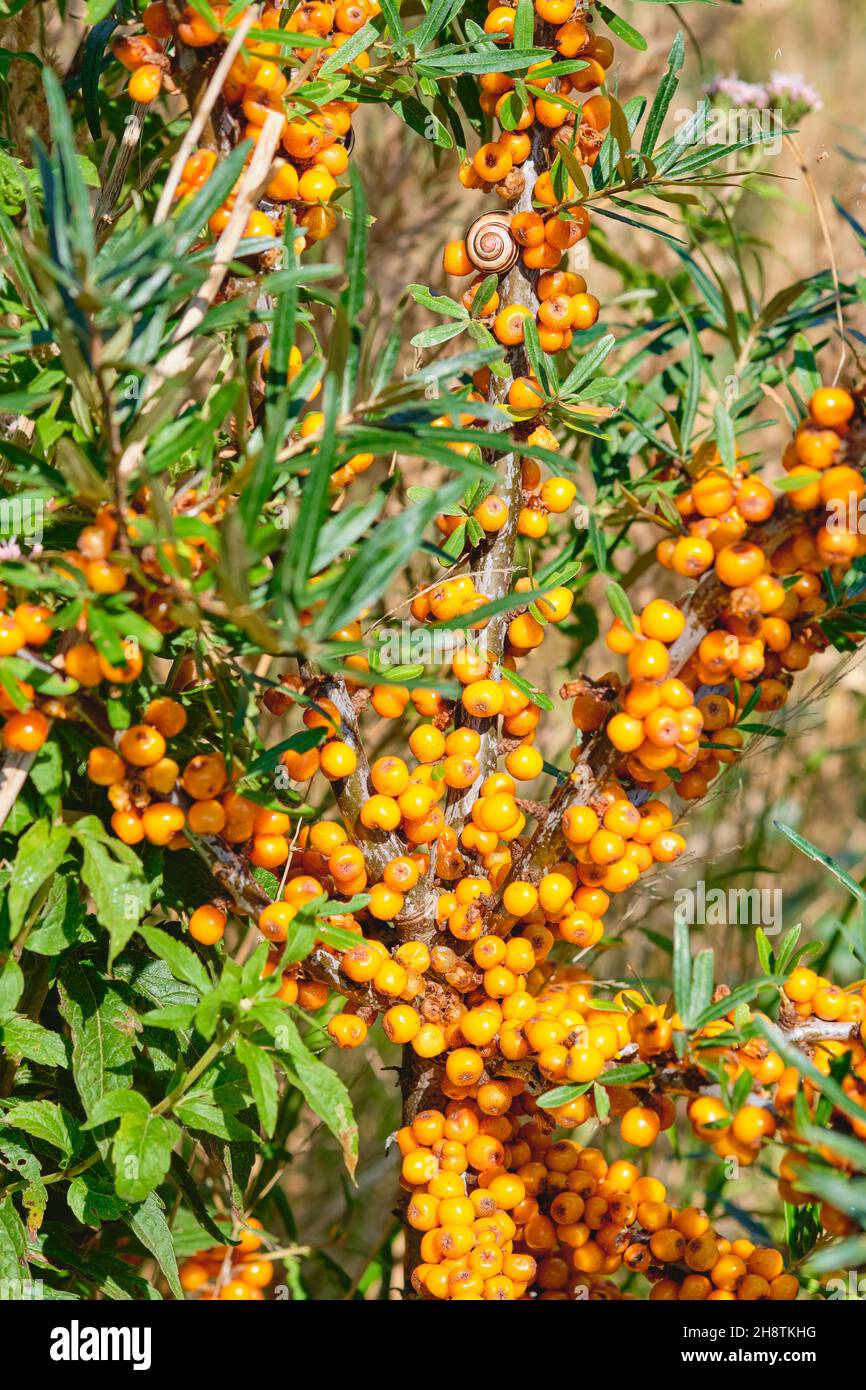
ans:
(490, 245)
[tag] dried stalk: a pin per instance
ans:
(177, 360)
(210, 96)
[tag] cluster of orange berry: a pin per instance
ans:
(507, 1212)
(767, 630)
(540, 500)
(31, 626)
(144, 55)
(805, 995)
(251, 1272)
(316, 142)
(96, 570)
(662, 731)
(718, 506)
(138, 770)
(25, 727)
(565, 307)
(542, 234)
(553, 108)
(659, 726)
(313, 422)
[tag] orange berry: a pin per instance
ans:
(692, 556)
(144, 86)
(34, 620)
(455, 259)
(204, 776)
(831, 406)
(483, 698)
(206, 817)
(142, 745)
(337, 760)
(161, 821)
(128, 827)
(739, 564)
(166, 715)
(104, 766)
(347, 1030)
(207, 924)
(12, 636)
(82, 664)
(25, 732)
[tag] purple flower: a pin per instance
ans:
(735, 90)
(786, 92)
(793, 94)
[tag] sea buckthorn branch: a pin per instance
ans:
(644, 1112)
(210, 96)
(817, 1030)
(493, 574)
(112, 187)
(702, 610)
(14, 771)
(177, 360)
(350, 792)
(687, 1076)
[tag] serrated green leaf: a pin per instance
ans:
(259, 1068)
(322, 1088)
(23, 1037)
(141, 1153)
(102, 1025)
(183, 963)
(149, 1225)
(44, 1119)
(113, 873)
(40, 852)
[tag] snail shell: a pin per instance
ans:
(490, 244)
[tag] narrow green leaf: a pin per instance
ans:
(620, 605)
(682, 967)
(701, 994)
(622, 28)
(664, 95)
(724, 431)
